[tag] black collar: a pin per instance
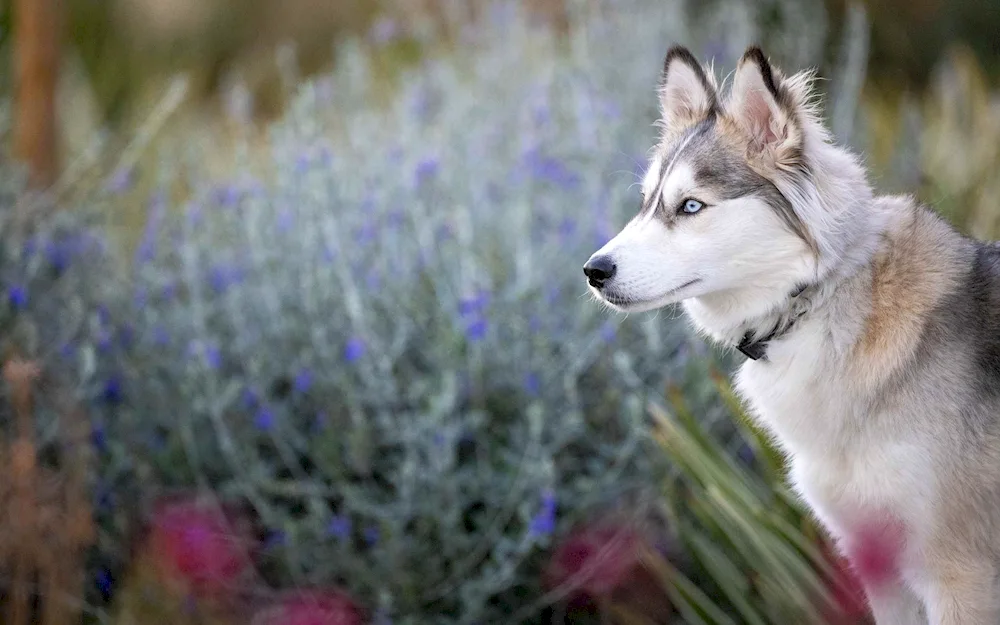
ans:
(756, 349)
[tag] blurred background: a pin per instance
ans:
(293, 327)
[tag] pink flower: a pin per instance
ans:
(601, 565)
(312, 607)
(595, 560)
(205, 547)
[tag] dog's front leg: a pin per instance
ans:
(965, 595)
(893, 603)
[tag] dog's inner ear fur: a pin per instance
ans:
(686, 94)
(762, 110)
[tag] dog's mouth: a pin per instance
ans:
(631, 303)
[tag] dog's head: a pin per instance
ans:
(718, 210)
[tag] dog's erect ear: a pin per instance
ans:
(765, 111)
(687, 93)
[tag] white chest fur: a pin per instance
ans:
(851, 464)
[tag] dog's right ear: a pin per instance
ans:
(687, 94)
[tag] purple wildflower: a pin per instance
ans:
(532, 384)
(169, 291)
(120, 181)
(367, 233)
(213, 357)
(221, 277)
(426, 169)
(98, 438)
(285, 220)
(160, 336)
(552, 293)
(264, 421)
(147, 246)
(544, 523)
(274, 539)
(535, 323)
(103, 315)
(612, 110)
(228, 196)
(17, 296)
(194, 212)
(250, 398)
(354, 349)
(303, 381)
(328, 254)
(104, 341)
(602, 233)
(104, 582)
(542, 114)
(126, 335)
(474, 305)
(303, 161)
(371, 535)
(339, 527)
(396, 218)
(104, 498)
(140, 298)
(476, 331)
(443, 233)
(112, 392)
(550, 170)
(58, 255)
(567, 228)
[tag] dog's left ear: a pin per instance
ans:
(765, 111)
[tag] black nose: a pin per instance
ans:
(599, 270)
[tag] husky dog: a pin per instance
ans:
(871, 329)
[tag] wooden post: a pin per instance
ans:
(37, 26)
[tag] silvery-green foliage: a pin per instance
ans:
(381, 337)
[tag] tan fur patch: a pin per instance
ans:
(915, 269)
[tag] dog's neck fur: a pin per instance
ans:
(835, 201)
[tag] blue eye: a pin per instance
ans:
(691, 206)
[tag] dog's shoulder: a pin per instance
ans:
(983, 292)
(966, 323)
(919, 265)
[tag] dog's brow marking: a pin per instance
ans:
(656, 198)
